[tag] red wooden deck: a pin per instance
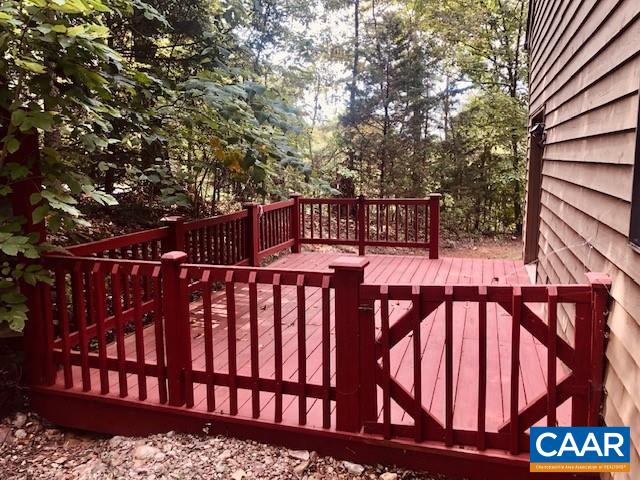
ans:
(383, 269)
(439, 364)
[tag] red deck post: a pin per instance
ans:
(295, 222)
(349, 274)
(434, 225)
(27, 156)
(176, 239)
(362, 233)
(600, 285)
(175, 306)
(580, 404)
(253, 233)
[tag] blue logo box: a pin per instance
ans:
(580, 449)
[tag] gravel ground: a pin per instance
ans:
(32, 449)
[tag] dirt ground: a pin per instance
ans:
(493, 248)
(32, 449)
(507, 248)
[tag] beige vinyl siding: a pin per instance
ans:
(585, 73)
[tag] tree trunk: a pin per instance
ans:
(346, 184)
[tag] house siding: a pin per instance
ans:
(585, 74)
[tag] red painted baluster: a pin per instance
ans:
(378, 224)
(303, 223)
(416, 219)
(139, 331)
(209, 231)
(396, 211)
(124, 282)
(80, 316)
(185, 336)
(101, 311)
(146, 280)
(339, 221)
(86, 281)
(347, 219)
(426, 223)
(386, 215)
(277, 343)
(326, 351)
(302, 350)
(274, 219)
(516, 315)
(237, 241)
(218, 250)
(253, 341)
(63, 318)
(231, 338)
(448, 342)
(50, 366)
(386, 361)
(406, 223)
(202, 258)
(158, 315)
(434, 225)
(228, 260)
(417, 362)
(329, 220)
(311, 218)
(552, 307)
(208, 340)
(116, 290)
(362, 230)
(482, 366)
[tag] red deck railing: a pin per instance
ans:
(251, 235)
(99, 308)
(120, 309)
(374, 222)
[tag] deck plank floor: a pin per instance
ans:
(390, 269)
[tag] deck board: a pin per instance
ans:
(382, 269)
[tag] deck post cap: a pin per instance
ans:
(174, 257)
(435, 195)
(295, 195)
(172, 219)
(349, 263)
(599, 279)
(249, 204)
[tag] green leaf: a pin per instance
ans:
(40, 213)
(13, 144)
(41, 120)
(30, 65)
(18, 116)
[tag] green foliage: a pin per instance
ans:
(191, 107)
(115, 89)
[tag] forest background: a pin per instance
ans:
(140, 108)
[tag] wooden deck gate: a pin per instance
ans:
(573, 369)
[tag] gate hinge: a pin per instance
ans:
(365, 307)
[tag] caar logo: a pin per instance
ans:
(579, 449)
